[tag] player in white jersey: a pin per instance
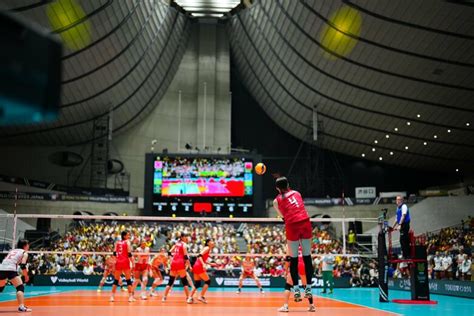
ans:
(8, 270)
(437, 265)
(446, 263)
(142, 267)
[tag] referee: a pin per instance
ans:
(402, 223)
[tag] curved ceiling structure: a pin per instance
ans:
(387, 80)
(390, 81)
(119, 57)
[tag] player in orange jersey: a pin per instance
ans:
(248, 267)
(158, 263)
(109, 269)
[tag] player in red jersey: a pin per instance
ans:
(123, 265)
(248, 267)
(109, 268)
(289, 283)
(160, 261)
(179, 264)
(142, 268)
(199, 271)
(289, 204)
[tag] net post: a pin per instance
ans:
(15, 219)
(343, 237)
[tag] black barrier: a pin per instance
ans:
(419, 276)
(79, 279)
(443, 287)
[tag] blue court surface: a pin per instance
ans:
(367, 297)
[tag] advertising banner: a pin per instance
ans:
(444, 287)
(79, 279)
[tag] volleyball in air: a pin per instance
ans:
(260, 168)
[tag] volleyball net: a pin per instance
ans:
(74, 241)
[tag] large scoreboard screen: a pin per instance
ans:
(195, 185)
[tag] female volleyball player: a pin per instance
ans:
(8, 270)
(179, 264)
(289, 283)
(199, 271)
(109, 268)
(289, 204)
(159, 262)
(142, 267)
(248, 267)
(123, 265)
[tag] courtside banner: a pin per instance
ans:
(444, 287)
(78, 279)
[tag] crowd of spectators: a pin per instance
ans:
(258, 238)
(450, 252)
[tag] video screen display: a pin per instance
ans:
(194, 185)
(199, 177)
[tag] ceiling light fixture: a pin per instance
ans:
(449, 131)
(418, 115)
(380, 158)
(406, 147)
(376, 141)
(395, 129)
(408, 123)
(387, 136)
(425, 143)
(391, 153)
(435, 136)
(373, 149)
(363, 155)
(457, 170)
(468, 124)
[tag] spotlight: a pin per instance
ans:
(380, 158)
(425, 143)
(376, 141)
(188, 147)
(391, 153)
(373, 149)
(468, 124)
(406, 147)
(396, 129)
(435, 136)
(363, 155)
(408, 123)
(449, 131)
(418, 115)
(387, 136)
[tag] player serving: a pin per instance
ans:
(289, 204)
(248, 271)
(289, 283)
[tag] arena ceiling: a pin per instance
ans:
(387, 80)
(119, 57)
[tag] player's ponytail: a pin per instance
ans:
(282, 184)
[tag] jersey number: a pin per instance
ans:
(293, 201)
